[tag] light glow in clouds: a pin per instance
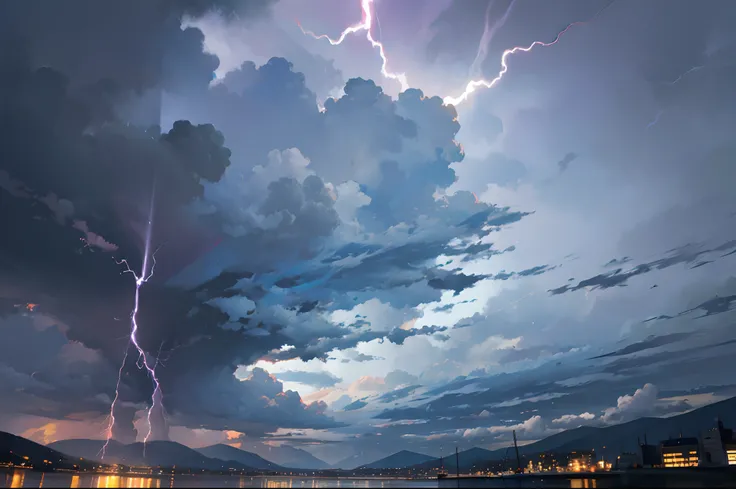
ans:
(366, 25)
(143, 362)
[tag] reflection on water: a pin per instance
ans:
(18, 478)
(25, 478)
(583, 483)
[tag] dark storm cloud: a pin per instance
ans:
(531, 353)
(618, 261)
(64, 142)
(538, 270)
(44, 374)
(448, 307)
(716, 305)
(398, 335)
(226, 8)
(661, 317)
(266, 261)
(456, 282)
(397, 394)
(355, 405)
(544, 391)
(564, 163)
(618, 278)
(317, 379)
(200, 341)
(133, 40)
(652, 342)
(256, 405)
(362, 357)
(711, 307)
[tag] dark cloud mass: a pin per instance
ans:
(564, 163)
(339, 267)
(82, 186)
(619, 277)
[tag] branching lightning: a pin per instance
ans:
(672, 84)
(691, 70)
(488, 33)
(366, 25)
(655, 120)
(142, 362)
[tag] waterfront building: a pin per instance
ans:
(651, 456)
(731, 453)
(715, 446)
(545, 462)
(581, 460)
(680, 452)
(627, 460)
(713, 452)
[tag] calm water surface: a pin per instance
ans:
(24, 478)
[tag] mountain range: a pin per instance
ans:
(400, 459)
(19, 450)
(286, 456)
(226, 452)
(157, 453)
(608, 442)
(168, 454)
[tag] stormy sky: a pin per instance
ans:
(351, 270)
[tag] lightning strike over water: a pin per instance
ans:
(142, 362)
(365, 25)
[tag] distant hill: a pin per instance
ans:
(473, 457)
(226, 452)
(359, 459)
(15, 448)
(157, 453)
(623, 437)
(607, 441)
(348, 463)
(398, 460)
(286, 456)
(89, 449)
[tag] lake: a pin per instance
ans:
(643, 478)
(26, 478)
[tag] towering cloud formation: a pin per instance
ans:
(269, 213)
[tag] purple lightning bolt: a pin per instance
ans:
(142, 362)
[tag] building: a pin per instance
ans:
(680, 452)
(581, 460)
(627, 460)
(731, 453)
(650, 455)
(713, 452)
(546, 462)
(718, 447)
